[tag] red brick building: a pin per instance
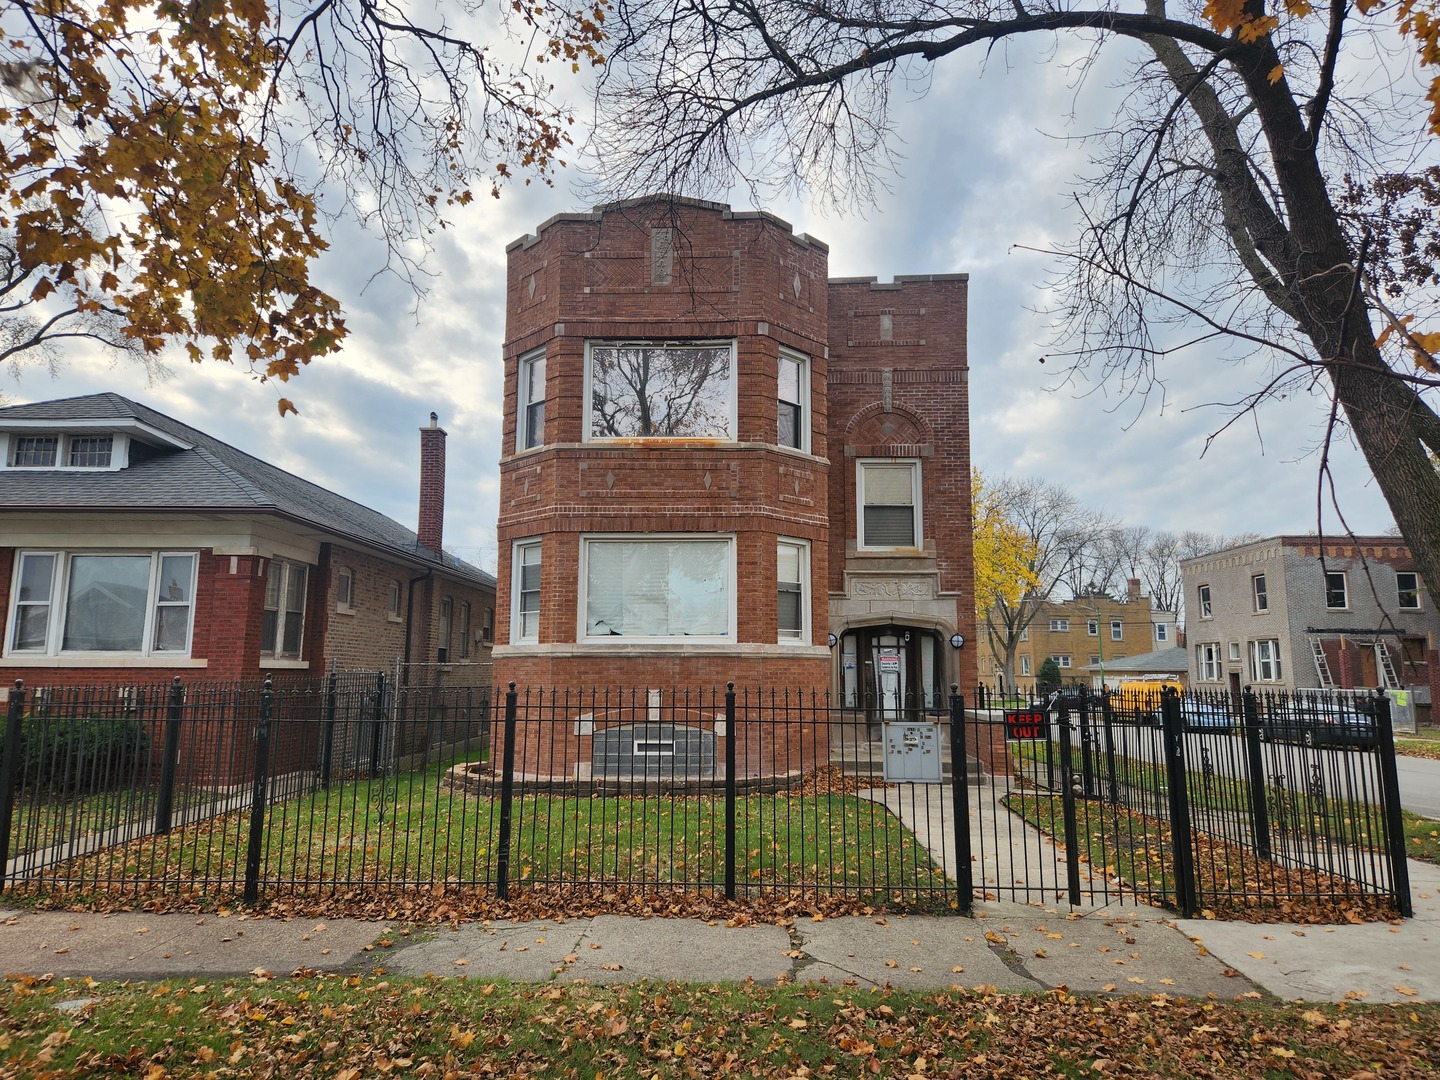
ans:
(720, 465)
(134, 548)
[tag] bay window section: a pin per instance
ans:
(665, 390)
(136, 603)
(792, 578)
(532, 402)
(792, 430)
(282, 628)
(525, 623)
(658, 589)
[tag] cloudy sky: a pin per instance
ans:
(988, 159)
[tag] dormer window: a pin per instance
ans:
(34, 451)
(61, 451)
(91, 451)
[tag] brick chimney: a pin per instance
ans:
(1132, 585)
(431, 529)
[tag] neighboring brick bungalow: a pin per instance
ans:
(134, 548)
(720, 465)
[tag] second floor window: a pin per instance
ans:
(1262, 596)
(1205, 612)
(1059, 626)
(1408, 587)
(665, 390)
(530, 428)
(1337, 596)
(1117, 630)
(792, 428)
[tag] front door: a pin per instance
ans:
(889, 672)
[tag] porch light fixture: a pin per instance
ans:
(834, 641)
(957, 640)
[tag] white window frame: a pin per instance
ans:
(1025, 665)
(277, 651)
(1344, 590)
(731, 420)
(65, 446)
(394, 600)
(519, 634)
(530, 428)
(588, 541)
(1235, 651)
(1092, 627)
(1059, 626)
(861, 464)
(803, 420)
(1266, 668)
(1401, 592)
(487, 626)
(1162, 631)
(58, 602)
(1207, 661)
(1259, 594)
(1206, 607)
(345, 591)
(800, 636)
(1062, 660)
(1117, 630)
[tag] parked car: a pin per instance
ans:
(1200, 716)
(1321, 723)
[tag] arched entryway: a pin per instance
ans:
(892, 671)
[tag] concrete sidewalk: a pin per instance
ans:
(1006, 946)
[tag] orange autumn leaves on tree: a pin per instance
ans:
(150, 197)
(163, 164)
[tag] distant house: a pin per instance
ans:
(1169, 665)
(1083, 633)
(134, 547)
(1293, 612)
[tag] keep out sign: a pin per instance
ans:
(1024, 725)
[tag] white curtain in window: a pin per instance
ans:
(107, 601)
(658, 588)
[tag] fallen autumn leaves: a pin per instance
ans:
(347, 1027)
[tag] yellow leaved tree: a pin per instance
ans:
(168, 171)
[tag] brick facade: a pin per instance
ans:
(235, 550)
(885, 378)
(1297, 615)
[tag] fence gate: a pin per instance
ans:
(1195, 804)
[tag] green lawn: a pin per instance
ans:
(1422, 837)
(369, 1025)
(415, 830)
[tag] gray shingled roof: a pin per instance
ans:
(212, 477)
(1160, 662)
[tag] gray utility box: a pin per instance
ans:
(912, 752)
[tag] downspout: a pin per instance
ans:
(410, 622)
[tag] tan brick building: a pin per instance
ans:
(720, 465)
(1085, 632)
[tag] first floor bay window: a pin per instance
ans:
(658, 589)
(79, 603)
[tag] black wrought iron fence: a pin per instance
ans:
(1204, 802)
(244, 790)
